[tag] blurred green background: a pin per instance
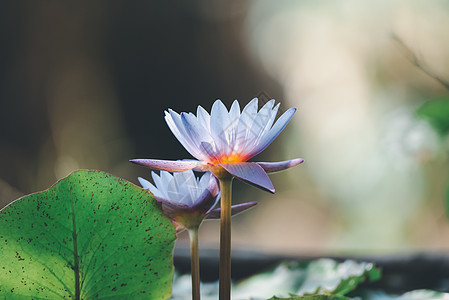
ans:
(84, 85)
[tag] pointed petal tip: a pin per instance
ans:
(272, 167)
(140, 179)
(136, 161)
(296, 161)
(166, 165)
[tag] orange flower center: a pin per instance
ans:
(233, 158)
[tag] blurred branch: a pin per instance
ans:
(415, 61)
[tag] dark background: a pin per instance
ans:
(84, 85)
(76, 77)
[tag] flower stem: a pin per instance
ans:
(194, 263)
(225, 238)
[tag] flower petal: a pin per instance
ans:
(167, 165)
(271, 167)
(219, 126)
(262, 124)
(147, 185)
(251, 173)
(176, 126)
(196, 131)
(161, 181)
(184, 188)
(246, 119)
(273, 132)
(235, 209)
(209, 182)
(203, 117)
(262, 118)
(234, 111)
(209, 150)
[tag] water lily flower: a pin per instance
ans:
(224, 141)
(188, 200)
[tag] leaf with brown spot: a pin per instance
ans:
(66, 242)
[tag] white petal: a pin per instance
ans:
(220, 124)
(209, 182)
(209, 150)
(147, 185)
(162, 181)
(259, 123)
(245, 122)
(234, 115)
(173, 191)
(197, 132)
(174, 122)
(203, 117)
(204, 181)
(144, 183)
(187, 185)
(234, 111)
(265, 118)
(184, 179)
(273, 132)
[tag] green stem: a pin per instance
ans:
(194, 263)
(225, 238)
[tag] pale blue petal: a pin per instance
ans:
(234, 115)
(209, 150)
(273, 132)
(175, 124)
(203, 117)
(159, 182)
(234, 111)
(245, 122)
(187, 185)
(147, 185)
(209, 182)
(220, 124)
(172, 119)
(196, 131)
(204, 181)
(259, 124)
(268, 122)
(173, 192)
(166, 177)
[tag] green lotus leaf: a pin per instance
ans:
(91, 235)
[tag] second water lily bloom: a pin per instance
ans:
(186, 199)
(224, 141)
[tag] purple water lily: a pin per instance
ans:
(225, 140)
(188, 200)
(222, 143)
